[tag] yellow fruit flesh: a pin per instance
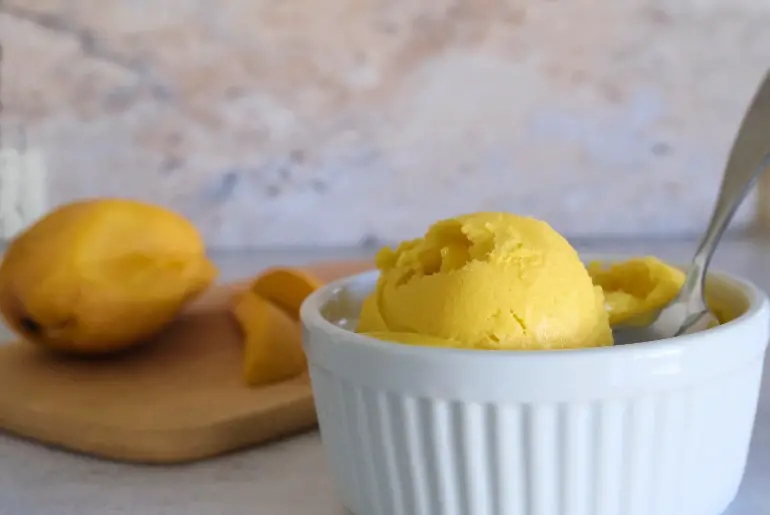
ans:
(268, 314)
(286, 287)
(273, 341)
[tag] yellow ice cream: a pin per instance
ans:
(486, 281)
(637, 288)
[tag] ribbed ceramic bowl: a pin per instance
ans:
(659, 428)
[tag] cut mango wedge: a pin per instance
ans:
(273, 341)
(287, 288)
(268, 314)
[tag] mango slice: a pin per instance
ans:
(268, 313)
(273, 341)
(286, 287)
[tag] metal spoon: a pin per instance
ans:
(749, 158)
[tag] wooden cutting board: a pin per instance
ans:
(179, 398)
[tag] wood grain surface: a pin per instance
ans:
(178, 398)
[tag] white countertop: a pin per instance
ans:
(290, 477)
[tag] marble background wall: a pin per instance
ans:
(341, 121)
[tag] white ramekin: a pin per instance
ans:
(659, 428)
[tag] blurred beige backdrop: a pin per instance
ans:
(336, 121)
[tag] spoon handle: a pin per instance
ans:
(749, 158)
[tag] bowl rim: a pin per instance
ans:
(315, 322)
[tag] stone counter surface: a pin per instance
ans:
(291, 477)
(309, 122)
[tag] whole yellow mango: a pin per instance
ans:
(97, 276)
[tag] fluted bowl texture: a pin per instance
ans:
(656, 428)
